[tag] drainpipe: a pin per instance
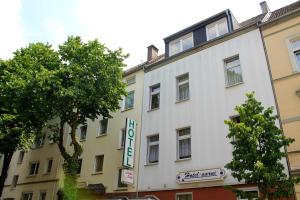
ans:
(259, 25)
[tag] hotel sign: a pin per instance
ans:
(201, 175)
(128, 154)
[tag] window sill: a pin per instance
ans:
(82, 140)
(97, 173)
(47, 173)
(229, 86)
(101, 135)
(183, 159)
(154, 109)
(124, 110)
(151, 164)
(183, 100)
(19, 163)
(31, 176)
(13, 188)
(120, 148)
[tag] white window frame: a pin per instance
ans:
(179, 83)
(100, 126)
(24, 193)
(180, 40)
(95, 165)
(42, 192)
(225, 62)
(80, 132)
(47, 166)
(39, 142)
(124, 102)
(14, 182)
(293, 51)
(183, 138)
(21, 157)
(216, 26)
(249, 189)
(154, 93)
(149, 144)
(36, 168)
(183, 193)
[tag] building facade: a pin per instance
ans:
(281, 34)
(187, 97)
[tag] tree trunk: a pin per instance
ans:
(6, 162)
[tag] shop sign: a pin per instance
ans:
(201, 175)
(127, 176)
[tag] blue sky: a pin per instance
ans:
(132, 24)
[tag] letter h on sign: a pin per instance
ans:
(128, 154)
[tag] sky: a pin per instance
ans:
(132, 25)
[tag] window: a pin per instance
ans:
(216, 29)
(249, 194)
(99, 163)
(42, 195)
(14, 181)
(33, 168)
(153, 149)
(122, 138)
(21, 157)
(235, 118)
(79, 166)
(39, 141)
(48, 168)
(183, 87)
(130, 80)
(181, 44)
(27, 196)
(120, 184)
(184, 196)
(154, 96)
(295, 48)
(83, 131)
(184, 143)
(129, 100)
(103, 126)
(233, 71)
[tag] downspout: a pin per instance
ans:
(138, 168)
(229, 19)
(259, 25)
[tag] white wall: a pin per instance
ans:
(209, 105)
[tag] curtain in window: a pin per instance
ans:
(153, 153)
(184, 91)
(234, 75)
(185, 148)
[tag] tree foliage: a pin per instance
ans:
(258, 153)
(24, 107)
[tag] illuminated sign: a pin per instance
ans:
(128, 155)
(127, 176)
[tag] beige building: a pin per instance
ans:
(34, 174)
(282, 40)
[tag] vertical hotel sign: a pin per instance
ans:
(129, 146)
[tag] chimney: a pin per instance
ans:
(152, 52)
(264, 7)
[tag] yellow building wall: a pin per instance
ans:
(286, 79)
(109, 144)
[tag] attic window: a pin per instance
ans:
(181, 44)
(216, 29)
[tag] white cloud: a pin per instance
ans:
(11, 34)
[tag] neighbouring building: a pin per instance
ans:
(207, 70)
(281, 34)
(36, 173)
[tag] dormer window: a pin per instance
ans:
(216, 29)
(181, 44)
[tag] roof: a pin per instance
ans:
(284, 10)
(252, 20)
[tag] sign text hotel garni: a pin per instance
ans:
(201, 175)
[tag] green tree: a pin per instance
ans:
(259, 150)
(87, 84)
(24, 107)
